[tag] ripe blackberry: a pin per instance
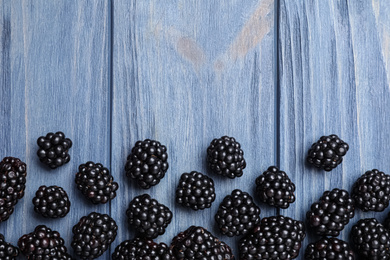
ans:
(237, 214)
(96, 183)
(141, 248)
(195, 190)
(148, 217)
(275, 238)
(147, 163)
(51, 202)
(93, 235)
(13, 182)
(327, 153)
(198, 243)
(329, 248)
(275, 188)
(372, 191)
(225, 157)
(53, 149)
(7, 251)
(371, 239)
(386, 222)
(331, 213)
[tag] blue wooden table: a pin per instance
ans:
(275, 74)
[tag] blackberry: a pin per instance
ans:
(7, 251)
(13, 182)
(53, 149)
(195, 190)
(371, 239)
(141, 248)
(93, 235)
(198, 243)
(147, 163)
(331, 213)
(225, 157)
(275, 188)
(237, 214)
(96, 183)
(51, 202)
(148, 216)
(372, 191)
(329, 248)
(276, 237)
(386, 222)
(327, 153)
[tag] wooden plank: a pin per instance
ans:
(186, 72)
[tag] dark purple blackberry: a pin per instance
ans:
(327, 153)
(96, 183)
(13, 182)
(386, 222)
(198, 243)
(7, 251)
(141, 248)
(276, 238)
(372, 191)
(51, 202)
(275, 188)
(225, 157)
(331, 213)
(147, 163)
(195, 190)
(148, 217)
(43, 243)
(53, 149)
(329, 248)
(237, 214)
(93, 235)
(371, 239)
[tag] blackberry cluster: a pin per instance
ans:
(96, 183)
(53, 149)
(13, 182)
(275, 188)
(147, 163)
(195, 190)
(276, 238)
(7, 251)
(372, 191)
(327, 153)
(237, 214)
(329, 248)
(331, 213)
(93, 235)
(225, 157)
(371, 239)
(51, 202)
(198, 243)
(148, 217)
(140, 248)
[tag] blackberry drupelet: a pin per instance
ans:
(53, 149)
(93, 234)
(147, 163)
(51, 202)
(329, 248)
(276, 237)
(237, 214)
(331, 213)
(141, 248)
(372, 191)
(371, 239)
(198, 243)
(96, 183)
(148, 216)
(225, 157)
(327, 153)
(13, 182)
(7, 251)
(275, 188)
(195, 190)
